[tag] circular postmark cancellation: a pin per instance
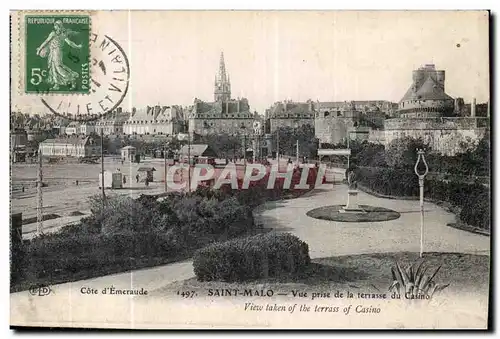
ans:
(108, 73)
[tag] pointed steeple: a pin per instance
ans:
(222, 76)
(222, 91)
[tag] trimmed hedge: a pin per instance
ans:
(260, 256)
(56, 255)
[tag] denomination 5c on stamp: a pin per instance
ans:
(57, 54)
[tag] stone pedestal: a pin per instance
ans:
(352, 203)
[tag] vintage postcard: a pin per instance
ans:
(250, 169)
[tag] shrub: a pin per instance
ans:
(477, 211)
(472, 199)
(61, 254)
(413, 283)
(120, 214)
(388, 181)
(260, 256)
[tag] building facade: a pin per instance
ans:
(155, 120)
(73, 146)
(73, 128)
(224, 114)
(289, 114)
(87, 128)
(335, 121)
(112, 124)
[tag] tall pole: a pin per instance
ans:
(278, 145)
(189, 162)
(165, 166)
(297, 153)
(39, 215)
(102, 168)
(421, 186)
(245, 155)
(254, 143)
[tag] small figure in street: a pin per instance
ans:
(23, 189)
(77, 183)
(124, 180)
(146, 182)
(123, 160)
(137, 177)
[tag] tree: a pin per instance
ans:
(402, 153)
(368, 154)
(288, 136)
(224, 145)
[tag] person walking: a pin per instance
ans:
(124, 180)
(137, 177)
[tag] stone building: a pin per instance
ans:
(426, 113)
(289, 113)
(87, 127)
(155, 120)
(112, 124)
(426, 96)
(224, 114)
(335, 121)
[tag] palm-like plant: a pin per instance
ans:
(414, 282)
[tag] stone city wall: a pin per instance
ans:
(332, 130)
(448, 136)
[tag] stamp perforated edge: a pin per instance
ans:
(21, 45)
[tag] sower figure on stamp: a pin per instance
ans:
(59, 73)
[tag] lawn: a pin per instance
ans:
(370, 273)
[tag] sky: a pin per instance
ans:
(290, 55)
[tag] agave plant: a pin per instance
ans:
(414, 282)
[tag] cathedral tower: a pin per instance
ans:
(222, 91)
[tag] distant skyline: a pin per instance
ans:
(291, 55)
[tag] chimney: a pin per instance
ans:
(473, 108)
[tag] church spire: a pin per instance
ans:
(222, 90)
(222, 68)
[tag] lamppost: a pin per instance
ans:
(243, 128)
(421, 177)
(189, 163)
(165, 166)
(278, 144)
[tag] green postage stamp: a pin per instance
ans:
(57, 54)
